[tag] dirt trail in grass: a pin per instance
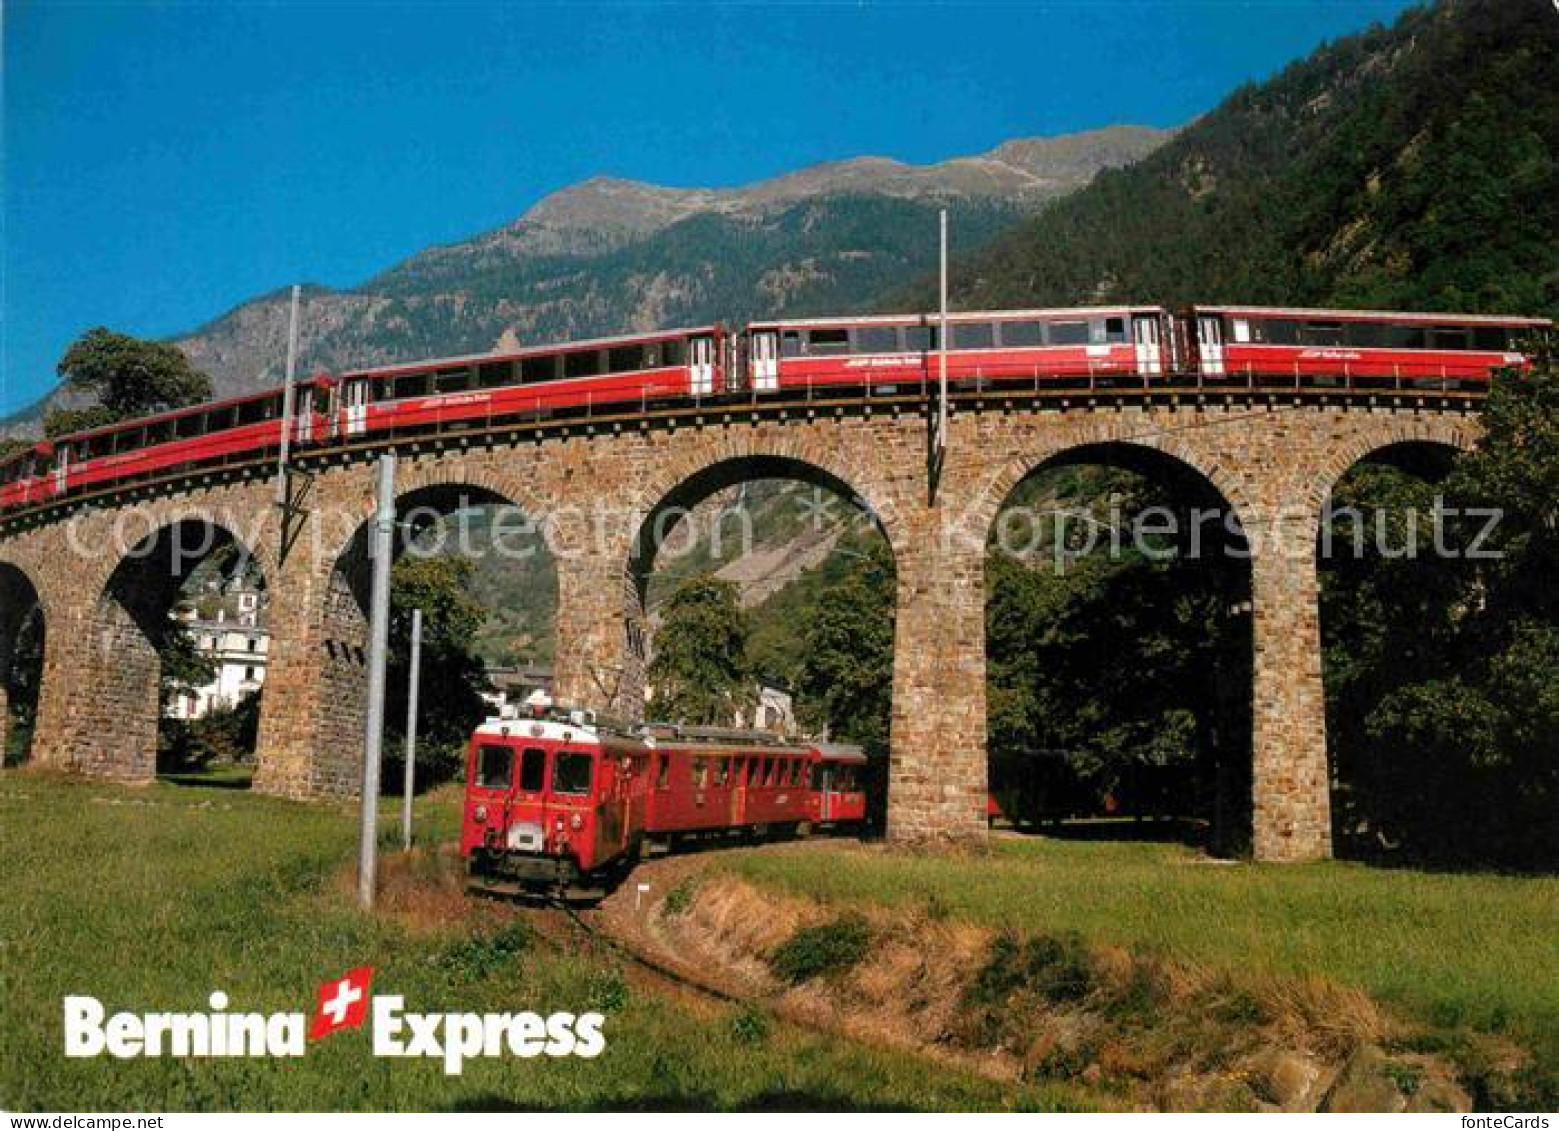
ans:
(1138, 1030)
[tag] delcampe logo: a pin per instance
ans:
(340, 1004)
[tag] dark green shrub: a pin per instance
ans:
(828, 948)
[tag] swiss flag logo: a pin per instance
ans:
(341, 1003)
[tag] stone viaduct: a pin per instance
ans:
(1271, 458)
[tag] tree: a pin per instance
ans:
(9, 447)
(845, 673)
(700, 673)
(127, 377)
(450, 703)
(1443, 671)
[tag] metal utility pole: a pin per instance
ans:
(410, 779)
(381, 550)
(285, 449)
(941, 384)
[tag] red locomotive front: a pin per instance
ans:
(550, 800)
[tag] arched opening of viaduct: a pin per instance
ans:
(313, 737)
(1394, 576)
(22, 640)
(111, 682)
(706, 515)
(1118, 590)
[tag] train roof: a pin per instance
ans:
(1441, 318)
(844, 752)
(526, 351)
(932, 317)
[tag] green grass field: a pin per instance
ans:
(1480, 951)
(150, 898)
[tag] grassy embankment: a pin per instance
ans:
(1452, 950)
(151, 898)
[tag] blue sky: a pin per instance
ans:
(164, 162)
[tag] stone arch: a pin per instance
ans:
(838, 466)
(1134, 438)
(335, 711)
(1398, 438)
(23, 627)
(1218, 786)
(111, 728)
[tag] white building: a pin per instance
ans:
(233, 636)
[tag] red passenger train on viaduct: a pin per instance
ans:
(1143, 347)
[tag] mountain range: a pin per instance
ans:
(609, 256)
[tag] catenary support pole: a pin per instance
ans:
(409, 781)
(941, 381)
(382, 552)
(284, 449)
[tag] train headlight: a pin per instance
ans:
(576, 822)
(480, 813)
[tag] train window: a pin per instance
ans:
(1115, 329)
(919, 339)
(1449, 338)
(571, 772)
(673, 352)
(410, 385)
(254, 412)
(494, 767)
(722, 771)
(190, 425)
(1068, 333)
(452, 380)
(128, 440)
(876, 339)
(495, 374)
(1278, 332)
(795, 771)
(533, 770)
(833, 340)
(159, 432)
(1018, 335)
(1491, 338)
(538, 369)
(1239, 330)
(1321, 334)
(582, 363)
(974, 335)
(700, 773)
(790, 344)
(663, 772)
(625, 359)
(1366, 335)
(1408, 337)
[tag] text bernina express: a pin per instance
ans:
(453, 1038)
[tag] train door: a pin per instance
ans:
(826, 792)
(61, 468)
(1146, 334)
(303, 416)
(765, 360)
(1209, 344)
(701, 365)
(356, 407)
(526, 816)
